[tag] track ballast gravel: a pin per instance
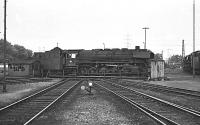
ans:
(100, 108)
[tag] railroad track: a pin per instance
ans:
(26, 110)
(179, 96)
(164, 112)
(154, 87)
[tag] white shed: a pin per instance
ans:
(157, 69)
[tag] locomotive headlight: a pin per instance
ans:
(90, 83)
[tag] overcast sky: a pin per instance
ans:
(87, 24)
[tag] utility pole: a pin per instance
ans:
(103, 46)
(183, 49)
(193, 69)
(145, 28)
(4, 50)
(127, 40)
(183, 52)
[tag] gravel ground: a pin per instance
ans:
(182, 76)
(181, 80)
(18, 91)
(186, 84)
(100, 108)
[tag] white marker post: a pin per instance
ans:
(90, 87)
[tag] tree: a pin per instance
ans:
(175, 61)
(22, 52)
(158, 56)
(14, 51)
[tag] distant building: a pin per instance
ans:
(28, 67)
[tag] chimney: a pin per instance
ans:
(137, 47)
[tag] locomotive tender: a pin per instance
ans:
(97, 61)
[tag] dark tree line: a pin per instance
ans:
(14, 51)
(175, 61)
(158, 56)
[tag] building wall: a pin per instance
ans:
(2, 70)
(153, 70)
(157, 69)
(19, 70)
(160, 69)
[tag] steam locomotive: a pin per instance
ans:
(96, 61)
(109, 61)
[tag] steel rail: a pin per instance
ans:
(167, 88)
(32, 95)
(31, 108)
(155, 116)
(179, 108)
(52, 103)
(163, 101)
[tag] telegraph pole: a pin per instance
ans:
(127, 40)
(145, 28)
(183, 52)
(103, 46)
(57, 44)
(193, 69)
(183, 49)
(4, 50)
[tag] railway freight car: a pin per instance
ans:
(188, 62)
(108, 61)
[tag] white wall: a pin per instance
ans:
(18, 72)
(2, 69)
(157, 69)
